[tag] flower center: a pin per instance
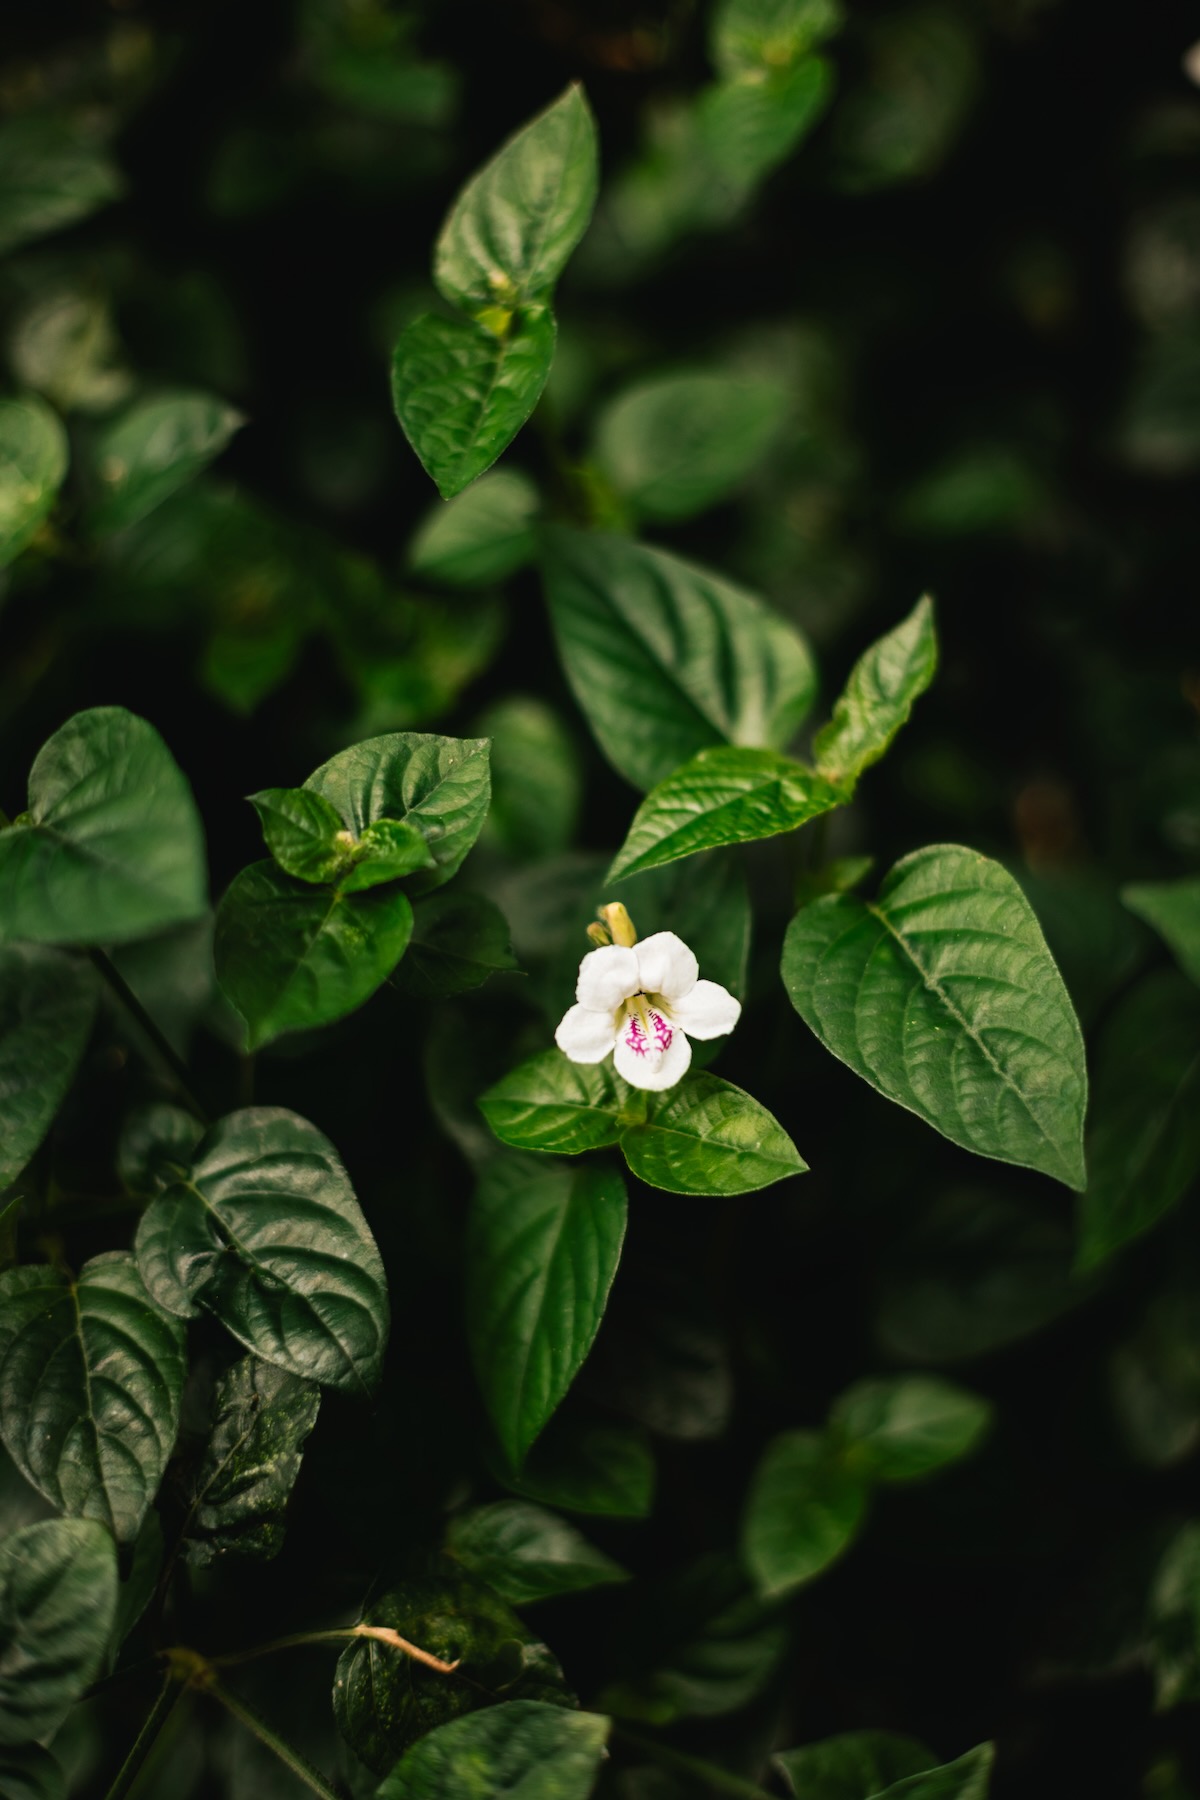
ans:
(646, 1031)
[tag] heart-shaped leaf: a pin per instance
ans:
(527, 1553)
(804, 1508)
(549, 1103)
(523, 1750)
(47, 1003)
(58, 1596)
(33, 462)
(261, 1418)
(300, 830)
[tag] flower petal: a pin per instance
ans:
(585, 1036)
(657, 1064)
(666, 965)
(708, 1011)
(606, 977)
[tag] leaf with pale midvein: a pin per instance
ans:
(852, 1766)
(91, 1375)
(58, 1596)
(33, 462)
(676, 443)
(267, 1236)
(550, 1103)
(804, 1509)
(543, 1244)
(261, 1419)
(943, 995)
(752, 37)
(522, 1750)
(507, 238)
(705, 1136)
(665, 658)
(462, 393)
(878, 698)
(1172, 908)
(900, 1427)
(527, 1553)
(111, 847)
(300, 830)
(722, 796)
(47, 1003)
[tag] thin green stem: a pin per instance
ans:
(291, 1759)
(141, 1017)
(722, 1780)
(168, 1699)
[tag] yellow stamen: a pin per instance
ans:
(619, 923)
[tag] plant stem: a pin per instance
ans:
(141, 1017)
(380, 1634)
(169, 1697)
(723, 1780)
(290, 1758)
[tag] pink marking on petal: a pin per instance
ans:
(661, 1034)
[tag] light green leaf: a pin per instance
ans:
(52, 172)
(510, 232)
(155, 446)
(549, 1103)
(387, 851)
(665, 658)
(261, 1418)
(969, 1778)
(537, 784)
(290, 956)
(300, 830)
(111, 848)
(750, 124)
(459, 940)
(900, 1427)
(706, 1136)
(27, 1772)
(524, 1750)
(674, 444)
(33, 462)
(804, 1509)
(462, 393)
(748, 37)
(47, 1003)
(1144, 1142)
(267, 1236)
(943, 995)
(852, 1766)
(543, 1244)
(527, 1553)
(1172, 908)
(725, 796)
(64, 345)
(58, 1595)
(91, 1375)
(441, 785)
(482, 536)
(878, 698)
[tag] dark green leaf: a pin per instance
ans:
(47, 1003)
(666, 659)
(52, 172)
(58, 1594)
(91, 1376)
(854, 1766)
(527, 1553)
(300, 829)
(674, 444)
(1172, 1612)
(747, 37)
(458, 941)
(969, 1778)
(706, 1136)
(551, 1104)
(749, 125)
(536, 779)
(156, 1143)
(804, 1509)
(595, 1469)
(33, 461)
(484, 535)
(261, 1418)
(387, 850)
(1172, 908)
(151, 450)
(522, 1750)
(27, 1772)
(943, 995)
(462, 393)
(878, 698)
(112, 846)
(543, 1245)
(137, 1586)
(900, 1427)
(267, 1236)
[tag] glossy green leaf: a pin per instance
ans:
(943, 995)
(111, 847)
(723, 796)
(462, 393)
(1144, 1142)
(300, 830)
(383, 1702)
(600, 1470)
(748, 125)
(441, 785)
(537, 782)
(968, 1778)
(156, 1142)
(387, 851)
(804, 1509)
(290, 956)
(674, 444)
(747, 37)
(706, 1136)
(267, 1236)
(666, 659)
(527, 1553)
(482, 536)
(53, 171)
(1172, 908)
(543, 1244)
(510, 232)
(47, 1003)
(33, 462)
(878, 698)
(522, 1750)
(458, 942)
(27, 1772)
(853, 1766)
(261, 1418)
(91, 1376)
(900, 1427)
(549, 1103)
(58, 1594)
(152, 449)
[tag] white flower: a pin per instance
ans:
(642, 1002)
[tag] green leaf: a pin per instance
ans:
(705, 1136)
(383, 1702)
(138, 1584)
(1172, 908)
(943, 995)
(91, 1377)
(526, 1553)
(549, 1103)
(599, 1470)
(156, 1142)
(58, 1594)
(900, 1427)
(387, 851)
(261, 1418)
(441, 785)
(878, 698)
(459, 940)
(52, 172)
(1172, 1612)
(462, 393)
(748, 37)
(112, 847)
(47, 1003)
(1144, 1142)
(523, 1750)
(726, 796)
(666, 659)
(300, 829)
(289, 956)
(537, 785)
(543, 1244)
(804, 1509)
(854, 1766)
(33, 462)
(511, 230)
(267, 1236)
(749, 125)
(969, 1778)
(674, 444)
(152, 449)
(483, 536)
(27, 1772)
